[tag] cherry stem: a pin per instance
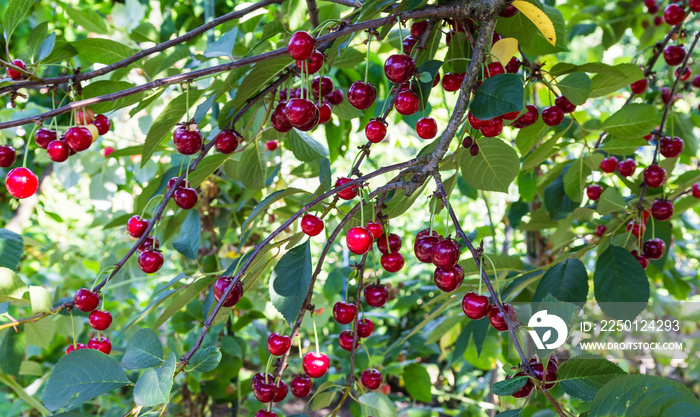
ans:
(26, 146)
(105, 269)
(187, 103)
(432, 217)
(187, 172)
(653, 231)
(369, 358)
(154, 198)
(495, 276)
(313, 322)
(481, 272)
(267, 367)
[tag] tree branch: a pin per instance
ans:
(313, 13)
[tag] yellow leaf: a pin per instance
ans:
(504, 50)
(539, 18)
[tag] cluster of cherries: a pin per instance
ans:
(150, 258)
(542, 374)
(673, 13)
(87, 301)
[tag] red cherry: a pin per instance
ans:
(102, 124)
(497, 320)
(324, 83)
(495, 38)
(86, 300)
(474, 150)
(313, 122)
(301, 386)
(643, 260)
(509, 11)
(78, 138)
(261, 377)
(671, 147)
(43, 136)
(222, 285)
(399, 68)
(150, 261)
(600, 230)
(279, 119)
(662, 210)
(311, 225)
(312, 64)
(136, 226)
(552, 115)
(511, 115)
(652, 6)
(426, 128)
(278, 344)
(8, 155)
(301, 46)
(528, 118)
(265, 413)
(362, 95)
(264, 391)
(100, 320)
(271, 145)
(77, 346)
(674, 14)
(696, 190)
(100, 343)
(687, 72)
(372, 379)
(417, 28)
(21, 183)
(564, 104)
(594, 191)
(187, 140)
(467, 142)
(300, 111)
(513, 66)
(636, 229)
(423, 248)
(185, 197)
(348, 193)
(14, 74)
(394, 243)
(282, 391)
(526, 389)
(84, 116)
(609, 164)
(407, 103)
(654, 248)
(639, 87)
(359, 240)
(226, 141)
(407, 44)
(550, 375)
(375, 229)
(494, 128)
(475, 306)
(452, 81)
(315, 364)
(149, 243)
(344, 313)
(336, 97)
(58, 151)
(494, 68)
(694, 5)
(345, 340)
(365, 328)
(445, 253)
(477, 123)
(173, 180)
(324, 113)
(654, 176)
(427, 232)
(626, 167)
(376, 295)
(674, 54)
(392, 262)
(448, 280)
(375, 131)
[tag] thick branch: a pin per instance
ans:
(313, 13)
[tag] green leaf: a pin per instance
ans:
(40, 333)
(153, 387)
(270, 29)
(502, 263)
(494, 168)
(14, 13)
(529, 37)
(566, 281)
(620, 284)
(103, 87)
(103, 51)
(46, 47)
(606, 83)
(498, 95)
(143, 350)
(417, 381)
(617, 146)
(12, 347)
(322, 400)
(260, 75)
(252, 168)
(511, 413)
(186, 295)
(611, 201)
(633, 121)
(509, 386)
(223, 46)
(208, 165)
(576, 87)
(304, 147)
(61, 51)
(36, 37)
(644, 396)
(268, 201)
(11, 249)
(377, 405)
(88, 19)
(575, 179)
(189, 236)
(530, 136)
(205, 360)
(582, 376)
(40, 299)
(291, 280)
(11, 287)
(87, 373)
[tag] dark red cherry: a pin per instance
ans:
(445, 253)
(265, 391)
(86, 300)
(315, 364)
(427, 232)
(8, 156)
(674, 14)
(279, 119)
(509, 11)
(393, 245)
(336, 97)
(636, 229)
(654, 176)
(564, 104)
(301, 386)
(375, 130)
(102, 124)
(372, 379)
(362, 95)
(696, 190)
(399, 68)
(58, 150)
(271, 145)
(226, 141)
(550, 375)
(324, 113)
(136, 226)
(654, 248)
(365, 328)
(100, 320)
(528, 118)
(694, 5)
(187, 140)
(21, 183)
(652, 6)
(626, 167)
(282, 391)
(324, 84)
(552, 115)
(474, 149)
(526, 389)
(426, 128)
(407, 44)
(696, 79)
(344, 313)
(494, 68)
(312, 64)
(513, 66)
(261, 377)
(674, 54)
(475, 123)
(392, 262)
(643, 260)
(311, 225)
(76, 346)
(600, 230)
(301, 46)
(185, 197)
(423, 248)
(609, 164)
(417, 28)
(345, 340)
(278, 344)
(494, 128)
(511, 115)
(348, 193)
(452, 81)
(496, 318)
(100, 343)
(594, 191)
(149, 243)
(687, 72)
(376, 295)
(671, 147)
(13, 73)
(475, 306)
(662, 210)
(359, 240)
(300, 111)
(150, 261)
(375, 229)
(450, 279)
(639, 87)
(467, 142)
(78, 138)
(43, 136)
(407, 103)
(222, 285)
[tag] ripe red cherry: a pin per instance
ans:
(376, 295)
(335, 97)
(445, 253)
(609, 164)
(279, 119)
(600, 230)
(365, 328)
(100, 320)
(222, 285)
(265, 413)
(417, 28)
(394, 243)
(375, 131)
(102, 124)
(467, 142)
(173, 180)
(509, 11)
(264, 391)
(100, 343)
(511, 115)
(652, 6)
(345, 340)
(392, 262)
(674, 54)
(324, 113)
(448, 280)
(315, 364)
(496, 318)
(526, 389)
(311, 225)
(671, 147)
(58, 150)
(150, 261)
(21, 182)
(643, 260)
(399, 68)
(636, 229)
(552, 115)
(452, 81)
(427, 232)
(86, 300)
(8, 155)
(301, 386)
(654, 248)
(696, 190)
(687, 72)
(324, 84)
(407, 44)
(423, 248)
(513, 66)
(348, 193)
(694, 5)
(551, 374)
(77, 346)
(344, 313)
(474, 149)
(43, 136)
(594, 191)
(372, 379)
(654, 176)
(674, 14)
(282, 391)
(185, 197)
(271, 145)
(278, 344)
(494, 68)
(14, 74)
(375, 229)
(426, 128)
(639, 87)
(626, 167)
(187, 140)
(78, 138)
(312, 64)
(475, 123)
(300, 111)
(407, 103)
(261, 377)
(226, 141)
(149, 243)
(494, 128)
(359, 240)
(564, 104)
(528, 118)
(362, 95)
(475, 306)
(301, 46)
(662, 210)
